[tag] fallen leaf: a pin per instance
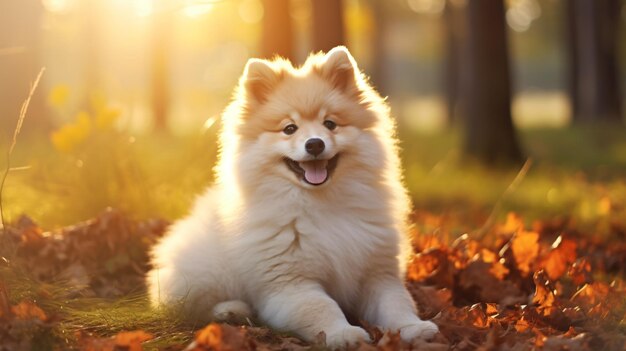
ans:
(525, 249)
(430, 300)
(131, 341)
(481, 284)
(391, 342)
(28, 310)
(513, 224)
(544, 293)
(580, 272)
(559, 258)
(222, 337)
(432, 267)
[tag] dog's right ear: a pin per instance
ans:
(260, 78)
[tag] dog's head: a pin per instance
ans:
(305, 124)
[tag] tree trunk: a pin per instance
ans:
(594, 79)
(377, 71)
(160, 93)
(572, 57)
(277, 35)
(453, 28)
(489, 132)
(328, 28)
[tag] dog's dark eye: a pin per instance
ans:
(330, 124)
(290, 129)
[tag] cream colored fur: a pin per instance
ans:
(301, 257)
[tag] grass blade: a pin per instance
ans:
(16, 132)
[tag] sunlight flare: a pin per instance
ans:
(251, 11)
(195, 9)
(143, 8)
(58, 6)
(428, 7)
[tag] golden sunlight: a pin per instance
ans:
(195, 9)
(430, 7)
(58, 6)
(251, 11)
(143, 8)
(522, 13)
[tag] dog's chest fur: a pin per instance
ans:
(335, 245)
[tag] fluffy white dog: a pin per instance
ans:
(306, 222)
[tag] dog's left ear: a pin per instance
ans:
(340, 69)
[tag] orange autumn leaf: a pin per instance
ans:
(31, 234)
(544, 296)
(210, 336)
(562, 254)
(580, 272)
(132, 340)
(219, 337)
(423, 265)
(488, 255)
(592, 294)
(477, 316)
(498, 270)
(525, 247)
(491, 309)
(513, 224)
(522, 325)
(28, 310)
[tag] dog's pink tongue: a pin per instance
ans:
(315, 171)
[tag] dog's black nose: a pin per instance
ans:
(314, 146)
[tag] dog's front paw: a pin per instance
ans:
(424, 330)
(346, 336)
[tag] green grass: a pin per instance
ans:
(148, 177)
(90, 315)
(576, 172)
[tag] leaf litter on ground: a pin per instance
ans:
(548, 287)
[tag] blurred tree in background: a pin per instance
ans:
(161, 56)
(277, 36)
(20, 61)
(593, 32)
(439, 61)
(377, 68)
(486, 85)
(328, 27)
(454, 25)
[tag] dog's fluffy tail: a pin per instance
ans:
(233, 311)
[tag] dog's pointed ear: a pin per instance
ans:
(259, 79)
(340, 69)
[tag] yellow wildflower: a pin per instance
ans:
(106, 117)
(59, 95)
(71, 135)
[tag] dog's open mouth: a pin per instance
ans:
(314, 172)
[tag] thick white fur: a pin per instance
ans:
(298, 256)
